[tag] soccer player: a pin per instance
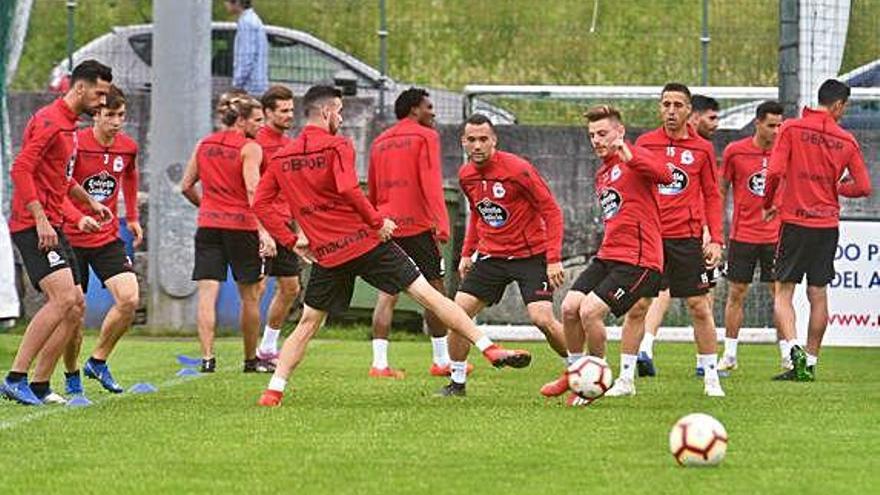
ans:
(227, 163)
(406, 185)
(625, 273)
(514, 235)
(106, 162)
(41, 177)
(811, 155)
(751, 240)
(278, 108)
(704, 119)
(704, 116)
(347, 238)
(684, 203)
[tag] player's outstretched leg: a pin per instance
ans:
(575, 337)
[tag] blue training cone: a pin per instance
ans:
(187, 372)
(79, 401)
(143, 388)
(185, 360)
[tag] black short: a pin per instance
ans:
(385, 267)
(684, 270)
(284, 264)
(490, 276)
(619, 285)
(742, 257)
(107, 261)
(422, 249)
(217, 248)
(39, 263)
(806, 251)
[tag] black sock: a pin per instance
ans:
(97, 361)
(40, 389)
(15, 376)
(69, 374)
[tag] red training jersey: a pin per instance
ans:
(224, 195)
(513, 212)
(316, 174)
(627, 192)
(271, 141)
(745, 169)
(811, 154)
(102, 171)
(693, 198)
(405, 179)
(43, 168)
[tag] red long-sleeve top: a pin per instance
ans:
(43, 168)
(316, 175)
(102, 171)
(627, 192)
(683, 210)
(272, 141)
(513, 212)
(811, 154)
(745, 168)
(405, 179)
(224, 193)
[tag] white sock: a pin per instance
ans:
(709, 363)
(647, 345)
(441, 350)
(459, 371)
(730, 347)
(812, 360)
(483, 343)
(380, 353)
(277, 383)
(628, 367)
(270, 339)
(572, 357)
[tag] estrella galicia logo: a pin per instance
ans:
(678, 185)
(756, 183)
(493, 214)
(611, 201)
(100, 186)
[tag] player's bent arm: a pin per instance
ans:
(28, 159)
(648, 164)
(269, 217)
(70, 213)
(551, 213)
(130, 182)
(251, 158)
(471, 236)
(711, 200)
(190, 178)
(859, 183)
(779, 158)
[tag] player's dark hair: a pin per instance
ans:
(275, 94)
(832, 91)
(245, 4)
(769, 107)
(91, 70)
(317, 95)
(239, 106)
(478, 119)
(409, 99)
(703, 103)
(115, 98)
(675, 87)
(602, 112)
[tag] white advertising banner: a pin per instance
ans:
(854, 294)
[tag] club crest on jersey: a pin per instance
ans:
(611, 201)
(493, 214)
(118, 164)
(100, 186)
(498, 190)
(615, 173)
(756, 183)
(679, 182)
(687, 157)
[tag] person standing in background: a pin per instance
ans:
(250, 58)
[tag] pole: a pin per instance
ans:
(704, 45)
(383, 55)
(789, 58)
(71, 8)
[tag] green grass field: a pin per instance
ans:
(341, 432)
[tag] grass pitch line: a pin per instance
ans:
(47, 410)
